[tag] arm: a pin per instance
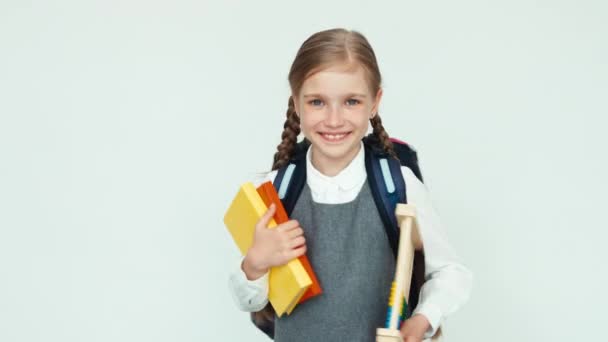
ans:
(248, 286)
(447, 281)
(249, 294)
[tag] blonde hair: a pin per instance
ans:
(320, 51)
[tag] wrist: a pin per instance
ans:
(423, 322)
(252, 268)
(417, 326)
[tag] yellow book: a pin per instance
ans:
(287, 283)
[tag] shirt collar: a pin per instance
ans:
(353, 175)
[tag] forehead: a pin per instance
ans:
(337, 81)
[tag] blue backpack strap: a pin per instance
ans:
(291, 178)
(388, 188)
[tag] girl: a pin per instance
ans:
(335, 95)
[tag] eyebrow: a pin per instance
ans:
(347, 95)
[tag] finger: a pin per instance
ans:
(297, 242)
(287, 226)
(297, 252)
(265, 219)
(294, 233)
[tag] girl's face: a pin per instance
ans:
(335, 106)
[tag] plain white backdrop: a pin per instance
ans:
(127, 126)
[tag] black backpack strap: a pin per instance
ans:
(408, 156)
(264, 323)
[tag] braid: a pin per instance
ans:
(382, 136)
(289, 137)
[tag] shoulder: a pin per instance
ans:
(264, 177)
(417, 191)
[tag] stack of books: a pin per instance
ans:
(289, 284)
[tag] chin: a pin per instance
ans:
(338, 152)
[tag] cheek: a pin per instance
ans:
(362, 121)
(310, 120)
(363, 128)
(306, 125)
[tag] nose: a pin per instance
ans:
(335, 118)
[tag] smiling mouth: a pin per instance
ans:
(334, 137)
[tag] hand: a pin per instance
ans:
(413, 328)
(273, 247)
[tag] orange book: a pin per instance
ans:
(269, 195)
(287, 283)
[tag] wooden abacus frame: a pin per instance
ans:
(409, 242)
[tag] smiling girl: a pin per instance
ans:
(335, 94)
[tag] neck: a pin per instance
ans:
(328, 166)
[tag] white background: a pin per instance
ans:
(127, 126)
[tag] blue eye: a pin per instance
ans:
(315, 102)
(355, 101)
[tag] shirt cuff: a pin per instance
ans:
(249, 295)
(432, 314)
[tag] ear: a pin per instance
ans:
(377, 101)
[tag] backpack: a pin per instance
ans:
(387, 187)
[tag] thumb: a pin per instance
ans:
(265, 219)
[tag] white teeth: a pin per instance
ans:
(334, 136)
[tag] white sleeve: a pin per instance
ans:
(249, 295)
(448, 281)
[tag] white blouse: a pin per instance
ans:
(447, 281)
